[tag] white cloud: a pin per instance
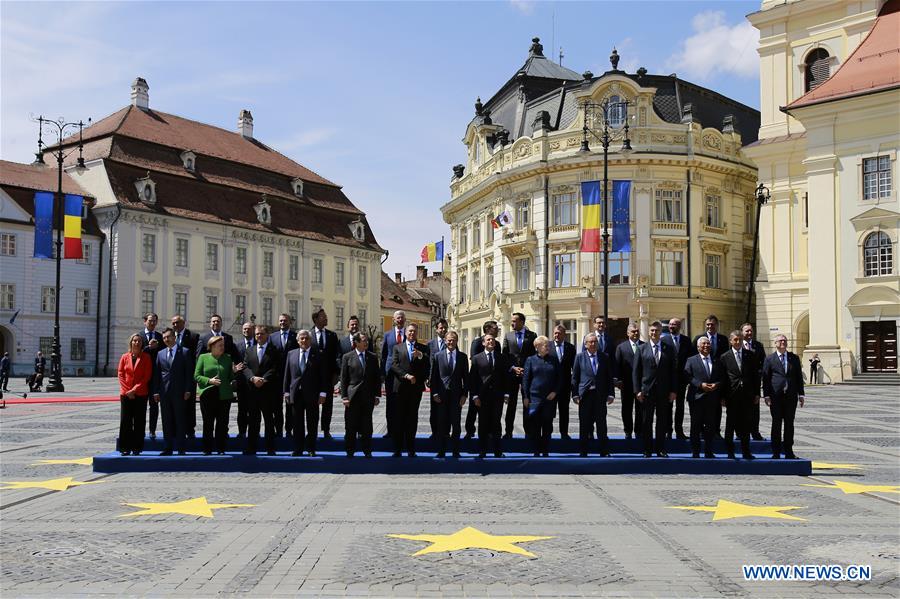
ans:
(716, 47)
(526, 7)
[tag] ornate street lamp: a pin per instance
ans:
(762, 197)
(60, 128)
(602, 114)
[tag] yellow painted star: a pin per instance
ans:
(726, 510)
(55, 484)
(855, 488)
(472, 538)
(74, 461)
(830, 466)
(197, 506)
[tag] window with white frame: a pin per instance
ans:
(212, 306)
(363, 277)
(565, 209)
(181, 252)
(748, 218)
(361, 313)
(619, 268)
(713, 208)
(489, 229)
(240, 305)
(476, 235)
(878, 255)
(564, 274)
(339, 316)
(148, 248)
(463, 239)
(267, 310)
(7, 244)
(240, 260)
(85, 253)
(293, 267)
(476, 283)
(463, 291)
(46, 346)
(294, 309)
(571, 331)
(268, 264)
(339, 274)
(148, 300)
(7, 296)
(615, 112)
(489, 279)
(82, 301)
(877, 181)
(523, 274)
(522, 214)
(713, 271)
(181, 303)
(212, 256)
(669, 267)
(668, 205)
(77, 349)
(317, 267)
(48, 299)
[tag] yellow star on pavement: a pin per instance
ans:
(472, 538)
(197, 506)
(54, 484)
(830, 466)
(73, 461)
(726, 510)
(855, 488)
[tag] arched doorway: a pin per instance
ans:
(801, 334)
(6, 342)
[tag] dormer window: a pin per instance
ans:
(358, 230)
(146, 189)
(817, 69)
(189, 160)
(297, 185)
(263, 211)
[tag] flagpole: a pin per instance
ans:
(443, 274)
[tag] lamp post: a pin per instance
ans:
(59, 127)
(762, 196)
(618, 112)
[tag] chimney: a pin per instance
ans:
(140, 94)
(245, 124)
(398, 278)
(421, 273)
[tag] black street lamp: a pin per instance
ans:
(605, 111)
(762, 196)
(60, 127)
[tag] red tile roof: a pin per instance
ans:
(873, 66)
(395, 297)
(37, 177)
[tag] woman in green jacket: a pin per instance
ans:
(214, 374)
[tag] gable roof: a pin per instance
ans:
(395, 297)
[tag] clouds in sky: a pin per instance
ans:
(717, 48)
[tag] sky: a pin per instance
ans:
(374, 96)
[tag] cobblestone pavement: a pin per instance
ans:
(327, 535)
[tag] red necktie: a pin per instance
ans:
(399, 337)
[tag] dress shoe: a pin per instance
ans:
(327, 435)
(441, 455)
(583, 454)
(386, 436)
(790, 456)
(270, 452)
(349, 454)
(681, 436)
(153, 436)
(498, 454)
(469, 436)
(124, 453)
(710, 455)
(135, 453)
(396, 454)
(508, 435)
(166, 452)
(241, 436)
(628, 435)
(749, 456)
(481, 456)
(456, 454)
(775, 456)
(731, 455)
(565, 436)
(758, 437)
(182, 453)
(545, 454)
(296, 454)
(411, 454)
(718, 435)
(647, 454)
(537, 454)
(221, 453)
(605, 454)
(696, 454)
(668, 435)
(662, 454)
(248, 452)
(368, 454)
(311, 453)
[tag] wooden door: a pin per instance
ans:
(879, 346)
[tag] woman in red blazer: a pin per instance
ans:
(135, 370)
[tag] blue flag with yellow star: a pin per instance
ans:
(621, 226)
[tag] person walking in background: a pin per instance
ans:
(813, 369)
(135, 372)
(214, 374)
(4, 371)
(541, 385)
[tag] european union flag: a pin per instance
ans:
(43, 224)
(621, 225)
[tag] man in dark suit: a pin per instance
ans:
(565, 355)
(151, 343)
(742, 392)
(488, 328)
(755, 347)
(489, 388)
(655, 381)
(410, 366)
(184, 338)
(360, 389)
(592, 384)
(305, 388)
(329, 347)
(705, 379)
(285, 339)
(782, 382)
(262, 387)
(247, 341)
(393, 337)
(719, 345)
(215, 330)
(625, 358)
(605, 343)
(352, 329)
(682, 348)
(436, 346)
(173, 377)
(518, 346)
(449, 374)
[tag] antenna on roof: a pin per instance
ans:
(560, 55)
(553, 35)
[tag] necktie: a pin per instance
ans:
(559, 351)
(634, 347)
(748, 346)
(491, 359)
(602, 343)
(321, 339)
(170, 356)
(409, 348)
(594, 363)
(737, 358)
(519, 339)
(708, 365)
(440, 344)
(284, 338)
(149, 336)
(784, 362)
(259, 353)
(302, 361)
(179, 339)
(399, 336)
(712, 343)
(452, 363)
(362, 360)
(656, 353)
(675, 340)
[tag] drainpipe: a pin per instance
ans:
(109, 286)
(97, 320)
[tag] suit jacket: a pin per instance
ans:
(146, 342)
(434, 346)
(584, 377)
(230, 347)
(682, 351)
(419, 367)
(695, 373)
(624, 361)
(654, 380)
(778, 383)
(757, 349)
(741, 382)
(331, 354)
(608, 346)
(284, 349)
(269, 369)
(360, 385)
(722, 344)
(565, 365)
(4, 365)
(541, 377)
(135, 376)
(511, 348)
(450, 385)
(188, 341)
(477, 346)
(346, 346)
(242, 344)
(171, 382)
(486, 382)
(387, 355)
(40, 364)
(305, 387)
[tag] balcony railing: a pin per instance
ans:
(669, 228)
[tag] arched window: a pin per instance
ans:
(878, 255)
(616, 112)
(818, 68)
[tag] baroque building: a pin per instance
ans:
(690, 205)
(827, 150)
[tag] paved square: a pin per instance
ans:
(327, 535)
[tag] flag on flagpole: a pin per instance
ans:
(43, 224)
(14, 316)
(621, 225)
(433, 252)
(590, 216)
(72, 227)
(503, 219)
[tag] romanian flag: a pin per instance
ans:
(433, 252)
(72, 226)
(591, 216)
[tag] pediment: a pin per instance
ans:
(876, 295)
(874, 216)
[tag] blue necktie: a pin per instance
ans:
(410, 349)
(302, 361)
(594, 363)
(259, 354)
(362, 360)
(452, 363)
(784, 362)
(170, 356)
